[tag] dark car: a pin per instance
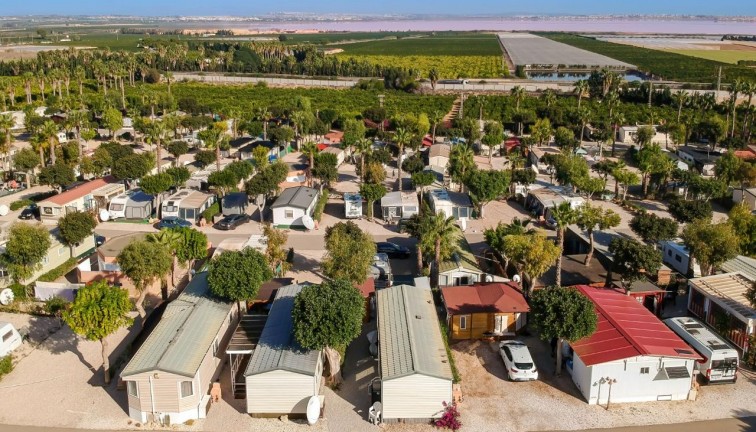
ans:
(393, 250)
(173, 222)
(31, 212)
(231, 221)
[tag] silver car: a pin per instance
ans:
(517, 360)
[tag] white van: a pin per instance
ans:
(11, 339)
(720, 359)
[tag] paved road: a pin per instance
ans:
(747, 424)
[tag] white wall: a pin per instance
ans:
(415, 397)
(447, 278)
(279, 216)
(280, 392)
(750, 198)
(631, 385)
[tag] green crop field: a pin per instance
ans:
(341, 37)
(459, 44)
(724, 56)
(661, 63)
(112, 41)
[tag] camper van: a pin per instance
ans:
(720, 359)
(676, 256)
(11, 338)
(352, 205)
(132, 204)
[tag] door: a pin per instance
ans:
(500, 324)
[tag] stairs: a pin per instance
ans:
(453, 113)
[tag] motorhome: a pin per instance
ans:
(720, 362)
(132, 204)
(11, 338)
(352, 205)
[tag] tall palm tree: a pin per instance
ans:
(518, 94)
(310, 149)
(445, 233)
(612, 101)
(363, 147)
(564, 216)
(461, 162)
(156, 133)
(495, 237)
(735, 90)
(433, 77)
(584, 115)
(262, 114)
(680, 98)
(215, 137)
(402, 137)
(549, 96)
(616, 120)
(298, 119)
(49, 132)
(435, 118)
(418, 226)
(28, 78)
(168, 79)
(581, 88)
(170, 239)
(6, 125)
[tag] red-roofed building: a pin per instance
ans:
(90, 196)
(632, 346)
(747, 154)
(323, 146)
(334, 136)
(427, 141)
(484, 310)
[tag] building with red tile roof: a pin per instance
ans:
(484, 309)
(89, 196)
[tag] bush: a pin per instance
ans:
(210, 213)
(450, 418)
(20, 292)
(19, 204)
(688, 211)
(6, 365)
(322, 201)
(456, 378)
(59, 271)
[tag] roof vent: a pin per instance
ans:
(418, 317)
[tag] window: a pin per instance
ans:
(644, 370)
(464, 213)
(47, 210)
(116, 207)
(669, 252)
(187, 388)
(190, 214)
(133, 388)
(289, 214)
(7, 336)
(678, 258)
(463, 322)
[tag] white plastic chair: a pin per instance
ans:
(374, 413)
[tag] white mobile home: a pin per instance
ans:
(11, 338)
(170, 376)
(452, 204)
(676, 255)
(438, 156)
(133, 204)
(745, 196)
(631, 352)
(461, 268)
(187, 204)
(627, 134)
(336, 151)
(92, 195)
(720, 360)
(281, 376)
(399, 205)
(293, 206)
(413, 367)
(352, 205)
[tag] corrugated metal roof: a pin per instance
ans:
(728, 290)
(409, 334)
(277, 348)
(399, 198)
(742, 264)
(184, 334)
(80, 191)
(297, 197)
(462, 259)
(484, 298)
(626, 329)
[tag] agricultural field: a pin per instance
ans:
(665, 64)
(710, 48)
(345, 37)
(724, 56)
(453, 55)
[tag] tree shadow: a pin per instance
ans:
(746, 419)
(304, 264)
(58, 339)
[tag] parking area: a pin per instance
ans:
(491, 403)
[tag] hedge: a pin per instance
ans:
(58, 271)
(456, 378)
(19, 204)
(322, 201)
(210, 213)
(6, 365)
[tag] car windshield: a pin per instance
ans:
(523, 366)
(727, 363)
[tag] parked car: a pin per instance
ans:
(173, 222)
(31, 212)
(551, 223)
(393, 250)
(517, 360)
(231, 221)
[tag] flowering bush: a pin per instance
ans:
(450, 419)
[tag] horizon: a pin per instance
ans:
(240, 8)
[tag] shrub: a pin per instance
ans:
(20, 292)
(6, 365)
(59, 271)
(750, 356)
(211, 211)
(688, 211)
(456, 378)
(322, 201)
(19, 204)
(450, 418)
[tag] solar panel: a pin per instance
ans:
(683, 351)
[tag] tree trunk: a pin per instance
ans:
(437, 259)
(560, 241)
(140, 302)
(52, 152)
(217, 156)
(560, 341)
(399, 163)
(419, 258)
(590, 249)
(42, 156)
(123, 96)
(105, 361)
(333, 362)
(28, 180)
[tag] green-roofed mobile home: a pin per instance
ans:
(416, 378)
(461, 268)
(281, 376)
(170, 376)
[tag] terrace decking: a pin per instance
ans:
(527, 49)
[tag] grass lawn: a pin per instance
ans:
(723, 56)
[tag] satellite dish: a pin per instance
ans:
(313, 410)
(489, 278)
(516, 278)
(6, 297)
(4, 210)
(104, 215)
(308, 222)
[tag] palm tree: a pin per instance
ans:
(310, 148)
(418, 226)
(518, 94)
(585, 116)
(168, 78)
(170, 239)
(402, 137)
(433, 77)
(6, 125)
(549, 96)
(495, 237)
(298, 119)
(581, 88)
(461, 162)
(363, 147)
(445, 233)
(735, 89)
(612, 101)
(680, 98)
(156, 133)
(564, 216)
(49, 132)
(28, 78)
(262, 114)
(616, 120)
(435, 118)
(214, 137)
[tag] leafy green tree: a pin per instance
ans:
(179, 175)
(238, 275)
(643, 136)
(532, 254)
(565, 139)
(461, 162)
(26, 247)
(224, 181)
(205, 157)
(354, 131)
(372, 192)
(74, 227)
(116, 151)
(632, 260)
(325, 168)
(58, 175)
(112, 120)
(652, 160)
(192, 246)
(283, 135)
(133, 166)
(144, 263)
(688, 211)
(156, 184)
(653, 229)
(349, 254)
(486, 186)
(590, 218)
(26, 160)
(710, 244)
(413, 164)
(169, 239)
(423, 179)
(626, 178)
(274, 250)
(177, 149)
(523, 176)
(328, 317)
(240, 169)
(562, 314)
(743, 223)
(261, 156)
(493, 137)
(98, 311)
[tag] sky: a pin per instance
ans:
(445, 7)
